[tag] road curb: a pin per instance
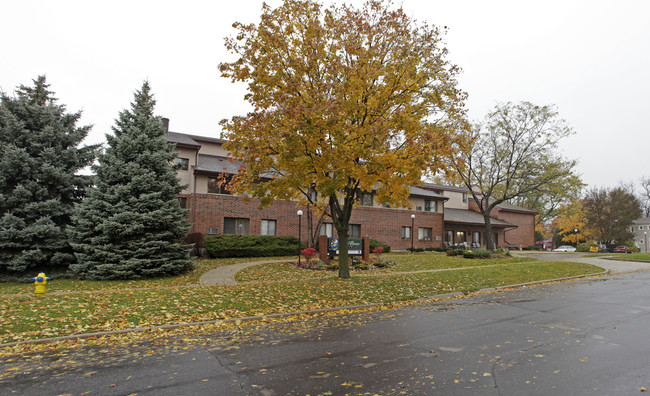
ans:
(434, 298)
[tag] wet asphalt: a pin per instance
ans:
(589, 336)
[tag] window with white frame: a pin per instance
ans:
(218, 185)
(354, 231)
(183, 162)
(430, 205)
(326, 229)
(366, 199)
(268, 227)
(464, 197)
(406, 232)
(425, 234)
(235, 226)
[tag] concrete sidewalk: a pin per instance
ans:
(226, 275)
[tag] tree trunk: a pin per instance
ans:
(344, 266)
(341, 219)
(489, 238)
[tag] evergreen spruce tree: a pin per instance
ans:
(130, 225)
(39, 185)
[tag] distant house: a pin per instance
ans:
(439, 215)
(641, 230)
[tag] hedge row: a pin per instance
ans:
(220, 246)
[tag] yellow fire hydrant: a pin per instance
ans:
(40, 281)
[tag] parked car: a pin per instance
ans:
(565, 248)
(623, 249)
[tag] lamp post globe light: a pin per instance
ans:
(412, 230)
(299, 233)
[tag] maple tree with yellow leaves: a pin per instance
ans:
(344, 101)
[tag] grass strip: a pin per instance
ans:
(27, 317)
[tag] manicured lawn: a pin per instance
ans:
(189, 278)
(113, 306)
(637, 256)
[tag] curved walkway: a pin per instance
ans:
(226, 275)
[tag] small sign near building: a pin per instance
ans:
(355, 246)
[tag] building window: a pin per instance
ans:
(183, 162)
(461, 237)
(449, 237)
(235, 226)
(641, 242)
(218, 185)
(268, 227)
(366, 199)
(354, 231)
(326, 229)
(213, 231)
(476, 238)
(464, 197)
(182, 202)
(418, 208)
(430, 206)
(640, 227)
(632, 229)
(425, 234)
(406, 232)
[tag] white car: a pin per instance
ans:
(565, 248)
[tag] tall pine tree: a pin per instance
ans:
(40, 156)
(130, 225)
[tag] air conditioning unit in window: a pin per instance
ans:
(213, 231)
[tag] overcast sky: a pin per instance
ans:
(590, 58)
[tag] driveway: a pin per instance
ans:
(612, 262)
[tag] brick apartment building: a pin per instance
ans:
(439, 216)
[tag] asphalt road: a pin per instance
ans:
(582, 337)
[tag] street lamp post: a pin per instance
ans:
(412, 230)
(299, 233)
(577, 240)
(645, 241)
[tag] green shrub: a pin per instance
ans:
(584, 247)
(468, 255)
(452, 252)
(482, 253)
(441, 249)
(429, 249)
(413, 250)
(374, 243)
(220, 246)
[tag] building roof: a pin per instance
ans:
(514, 208)
(471, 217)
(184, 139)
(216, 164)
(421, 192)
(433, 186)
(181, 139)
(643, 220)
